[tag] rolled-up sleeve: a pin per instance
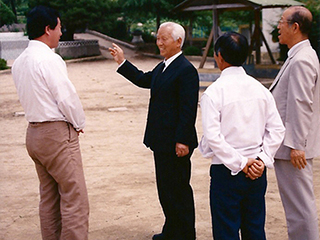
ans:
(64, 93)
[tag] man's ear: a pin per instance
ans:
(179, 41)
(296, 27)
(47, 30)
(220, 58)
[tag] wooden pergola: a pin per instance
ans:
(217, 6)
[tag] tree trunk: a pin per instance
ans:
(190, 28)
(13, 6)
(158, 20)
(67, 34)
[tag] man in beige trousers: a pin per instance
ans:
(55, 115)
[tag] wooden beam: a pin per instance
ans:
(252, 42)
(206, 50)
(219, 6)
(257, 34)
(267, 46)
(255, 42)
(212, 37)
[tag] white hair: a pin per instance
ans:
(177, 31)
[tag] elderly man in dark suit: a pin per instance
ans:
(170, 131)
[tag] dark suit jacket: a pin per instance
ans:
(173, 103)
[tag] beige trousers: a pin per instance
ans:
(64, 205)
(298, 200)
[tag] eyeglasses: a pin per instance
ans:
(283, 21)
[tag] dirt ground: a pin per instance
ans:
(119, 170)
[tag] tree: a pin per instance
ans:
(76, 15)
(314, 7)
(6, 15)
(138, 9)
(12, 4)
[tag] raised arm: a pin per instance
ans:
(117, 53)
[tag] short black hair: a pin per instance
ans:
(38, 18)
(233, 48)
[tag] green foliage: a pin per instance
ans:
(77, 15)
(192, 51)
(141, 10)
(18, 9)
(203, 19)
(230, 20)
(3, 64)
(148, 38)
(117, 30)
(6, 15)
(314, 7)
(118, 18)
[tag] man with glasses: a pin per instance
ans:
(297, 93)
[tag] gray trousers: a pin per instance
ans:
(297, 195)
(64, 205)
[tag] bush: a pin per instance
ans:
(192, 50)
(3, 64)
(148, 38)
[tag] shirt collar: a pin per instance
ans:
(291, 50)
(171, 59)
(232, 70)
(39, 44)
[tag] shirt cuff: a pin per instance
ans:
(122, 63)
(243, 164)
(266, 160)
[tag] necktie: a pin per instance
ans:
(161, 67)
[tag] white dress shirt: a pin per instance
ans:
(44, 89)
(166, 62)
(170, 60)
(292, 49)
(240, 121)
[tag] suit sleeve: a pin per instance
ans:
(134, 75)
(299, 103)
(188, 104)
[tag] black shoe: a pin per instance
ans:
(159, 236)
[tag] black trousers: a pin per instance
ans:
(237, 203)
(175, 195)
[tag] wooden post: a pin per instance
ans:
(267, 46)
(212, 37)
(206, 50)
(257, 34)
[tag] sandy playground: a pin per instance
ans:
(119, 170)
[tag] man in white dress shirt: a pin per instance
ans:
(242, 132)
(56, 117)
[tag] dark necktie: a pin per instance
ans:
(161, 67)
